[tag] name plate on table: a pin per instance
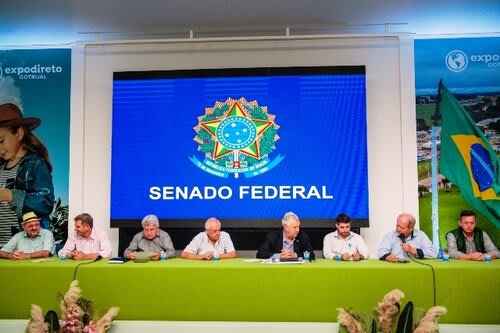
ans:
(293, 261)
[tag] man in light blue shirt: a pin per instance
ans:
(406, 242)
(33, 242)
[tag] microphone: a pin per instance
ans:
(402, 237)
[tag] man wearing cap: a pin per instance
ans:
(86, 242)
(33, 242)
(151, 239)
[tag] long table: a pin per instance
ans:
(238, 290)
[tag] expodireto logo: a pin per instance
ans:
(34, 72)
(456, 61)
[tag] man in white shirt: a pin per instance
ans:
(343, 243)
(210, 243)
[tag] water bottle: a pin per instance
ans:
(163, 255)
(487, 258)
(440, 253)
(216, 255)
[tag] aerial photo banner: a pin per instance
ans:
(470, 69)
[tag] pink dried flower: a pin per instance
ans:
(90, 328)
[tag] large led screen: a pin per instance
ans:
(245, 145)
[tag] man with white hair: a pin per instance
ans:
(150, 239)
(287, 243)
(211, 243)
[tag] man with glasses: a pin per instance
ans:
(32, 242)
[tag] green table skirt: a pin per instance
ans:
(237, 290)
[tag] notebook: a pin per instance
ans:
(143, 256)
(117, 260)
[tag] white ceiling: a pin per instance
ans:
(33, 22)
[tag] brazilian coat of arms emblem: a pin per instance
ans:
(236, 137)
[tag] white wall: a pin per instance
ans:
(390, 109)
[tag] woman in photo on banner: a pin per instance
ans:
(25, 172)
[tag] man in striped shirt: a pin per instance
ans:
(86, 242)
(211, 243)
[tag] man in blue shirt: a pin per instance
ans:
(32, 242)
(406, 242)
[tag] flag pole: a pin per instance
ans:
(434, 170)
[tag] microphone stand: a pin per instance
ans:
(99, 257)
(403, 240)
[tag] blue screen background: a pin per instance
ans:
(323, 138)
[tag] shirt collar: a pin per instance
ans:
(25, 235)
(336, 235)
(91, 236)
(157, 235)
(286, 241)
(208, 239)
(412, 235)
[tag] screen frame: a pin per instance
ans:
(242, 223)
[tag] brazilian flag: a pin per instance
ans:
(467, 158)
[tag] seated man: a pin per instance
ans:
(288, 242)
(86, 242)
(344, 243)
(210, 242)
(33, 242)
(152, 239)
(406, 242)
(467, 242)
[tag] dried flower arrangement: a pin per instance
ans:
(387, 318)
(77, 316)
